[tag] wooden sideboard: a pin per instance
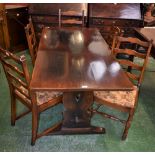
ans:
(13, 20)
(125, 16)
(101, 15)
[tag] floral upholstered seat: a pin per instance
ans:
(123, 98)
(42, 96)
(46, 96)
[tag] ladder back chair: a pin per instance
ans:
(18, 77)
(115, 31)
(124, 101)
(71, 18)
(31, 40)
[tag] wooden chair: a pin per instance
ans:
(31, 39)
(125, 101)
(18, 77)
(71, 18)
(115, 31)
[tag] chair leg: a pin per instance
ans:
(35, 120)
(128, 124)
(13, 110)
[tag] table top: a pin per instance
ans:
(74, 59)
(147, 33)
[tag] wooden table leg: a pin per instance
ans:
(76, 113)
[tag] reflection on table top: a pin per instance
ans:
(76, 59)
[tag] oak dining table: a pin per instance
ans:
(76, 61)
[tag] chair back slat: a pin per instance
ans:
(9, 55)
(129, 52)
(16, 70)
(132, 76)
(71, 21)
(70, 13)
(133, 40)
(71, 18)
(138, 68)
(13, 68)
(20, 90)
(131, 64)
(17, 80)
(31, 39)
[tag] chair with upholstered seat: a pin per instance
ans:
(18, 77)
(125, 101)
(31, 40)
(71, 18)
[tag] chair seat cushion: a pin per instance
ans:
(45, 96)
(42, 96)
(122, 98)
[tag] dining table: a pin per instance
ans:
(77, 62)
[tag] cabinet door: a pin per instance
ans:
(2, 42)
(4, 35)
(17, 18)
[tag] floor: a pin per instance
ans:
(141, 135)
